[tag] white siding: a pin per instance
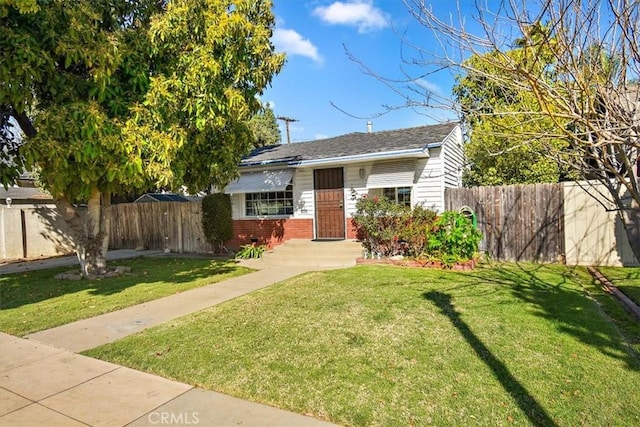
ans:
(431, 177)
(352, 181)
(392, 174)
(237, 206)
(303, 205)
(429, 187)
(453, 155)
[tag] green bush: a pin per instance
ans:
(453, 238)
(216, 219)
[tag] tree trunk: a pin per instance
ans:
(90, 228)
(628, 208)
(631, 224)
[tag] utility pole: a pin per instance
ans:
(286, 121)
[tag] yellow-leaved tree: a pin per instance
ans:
(130, 95)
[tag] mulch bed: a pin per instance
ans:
(413, 263)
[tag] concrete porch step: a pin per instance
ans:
(338, 253)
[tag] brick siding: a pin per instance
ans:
(270, 232)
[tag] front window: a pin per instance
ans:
(400, 195)
(271, 203)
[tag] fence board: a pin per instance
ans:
(160, 225)
(518, 222)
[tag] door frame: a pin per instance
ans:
(316, 209)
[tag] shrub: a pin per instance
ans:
(250, 251)
(389, 229)
(378, 221)
(415, 232)
(453, 238)
(216, 219)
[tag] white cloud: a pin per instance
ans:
(293, 43)
(360, 13)
(428, 86)
(320, 136)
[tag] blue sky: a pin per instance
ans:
(318, 72)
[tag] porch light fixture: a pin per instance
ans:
(361, 173)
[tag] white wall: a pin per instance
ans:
(237, 206)
(593, 236)
(352, 181)
(429, 186)
(45, 231)
(453, 157)
(303, 200)
(302, 197)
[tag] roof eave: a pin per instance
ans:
(387, 155)
(275, 162)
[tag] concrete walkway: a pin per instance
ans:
(89, 333)
(44, 382)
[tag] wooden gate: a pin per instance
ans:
(329, 195)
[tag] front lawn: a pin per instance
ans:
(35, 301)
(627, 279)
(379, 345)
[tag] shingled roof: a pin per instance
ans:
(352, 144)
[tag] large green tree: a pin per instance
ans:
(264, 128)
(507, 134)
(126, 95)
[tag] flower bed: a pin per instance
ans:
(418, 237)
(416, 263)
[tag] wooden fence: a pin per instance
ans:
(160, 225)
(518, 222)
(538, 222)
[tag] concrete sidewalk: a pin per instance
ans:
(46, 386)
(43, 381)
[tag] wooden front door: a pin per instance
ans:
(329, 191)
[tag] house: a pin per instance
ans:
(309, 190)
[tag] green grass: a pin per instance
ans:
(35, 301)
(627, 279)
(388, 346)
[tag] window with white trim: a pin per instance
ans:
(272, 203)
(400, 195)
